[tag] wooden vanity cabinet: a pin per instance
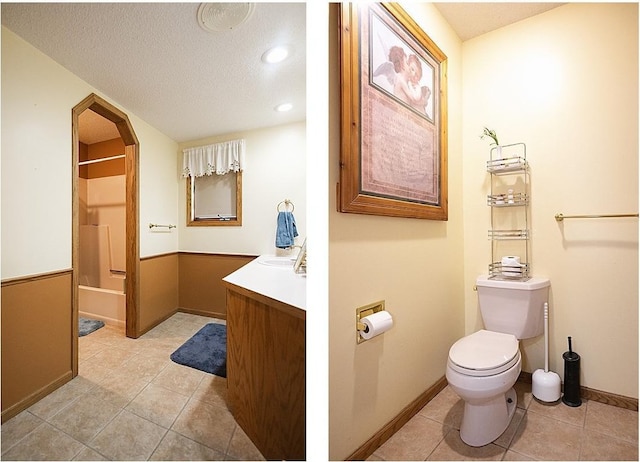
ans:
(266, 372)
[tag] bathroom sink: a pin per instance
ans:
(282, 262)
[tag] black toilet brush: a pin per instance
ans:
(571, 395)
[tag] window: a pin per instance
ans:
(214, 184)
(215, 200)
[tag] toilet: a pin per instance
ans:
(483, 367)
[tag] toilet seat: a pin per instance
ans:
(484, 353)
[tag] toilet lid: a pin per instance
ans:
(485, 352)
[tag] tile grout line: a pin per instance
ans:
(87, 444)
(122, 409)
(450, 429)
(515, 433)
(84, 445)
(583, 429)
(109, 375)
(159, 442)
(42, 421)
(226, 451)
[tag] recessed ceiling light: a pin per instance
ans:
(275, 54)
(284, 107)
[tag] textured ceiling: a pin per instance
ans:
(154, 60)
(471, 19)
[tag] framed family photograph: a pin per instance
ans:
(393, 158)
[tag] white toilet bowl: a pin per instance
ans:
(482, 369)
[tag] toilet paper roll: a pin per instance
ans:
(511, 261)
(376, 324)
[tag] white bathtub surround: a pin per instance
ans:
(104, 304)
(98, 266)
(101, 290)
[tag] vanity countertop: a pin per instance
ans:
(272, 277)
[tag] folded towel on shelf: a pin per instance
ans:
(286, 230)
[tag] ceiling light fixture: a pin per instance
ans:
(216, 17)
(275, 55)
(284, 107)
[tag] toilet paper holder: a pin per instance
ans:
(363, 311)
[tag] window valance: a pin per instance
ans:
(219, 158)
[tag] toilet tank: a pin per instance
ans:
(513, 307)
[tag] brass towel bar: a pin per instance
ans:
(560, 217)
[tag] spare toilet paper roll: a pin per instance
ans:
(511, 261)
(376, 324)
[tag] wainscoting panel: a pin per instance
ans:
(36, 338)
(201, 289)
(158, 289)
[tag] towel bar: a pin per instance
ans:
(560, 216)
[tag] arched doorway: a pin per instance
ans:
(125, 129)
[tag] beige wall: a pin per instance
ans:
(275, 170)
(416, 266)
(36, 208)
(36, 168)
(40, 94)
(565, 83)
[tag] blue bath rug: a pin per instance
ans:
(205, 351)
(86, 326)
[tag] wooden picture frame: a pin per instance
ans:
(393, 159)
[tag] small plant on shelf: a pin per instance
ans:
(491, 134)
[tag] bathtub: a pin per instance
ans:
(104, 304)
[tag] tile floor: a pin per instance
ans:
(592, 431)
(131, 402)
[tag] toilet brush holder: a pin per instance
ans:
(571, 396)
(545, 384)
